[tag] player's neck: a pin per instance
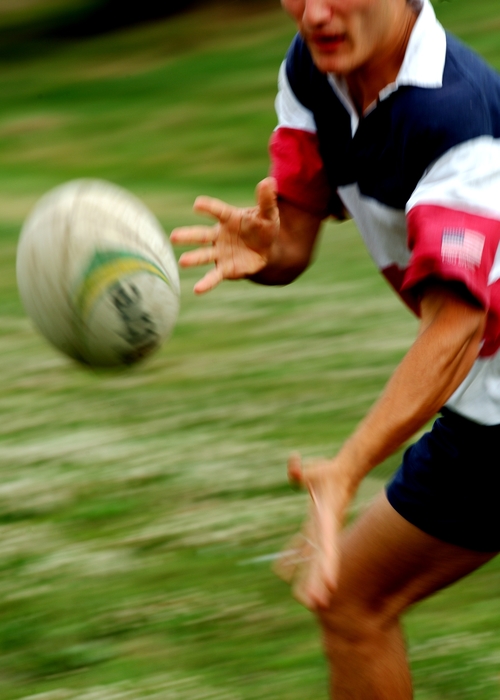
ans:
(366, 82)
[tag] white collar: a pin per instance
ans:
(423, 64)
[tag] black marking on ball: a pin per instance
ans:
(140, 330)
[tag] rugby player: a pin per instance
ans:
(386, 118)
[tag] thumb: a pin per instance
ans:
(267, 199)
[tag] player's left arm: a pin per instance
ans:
(447, 345)
(442, 355)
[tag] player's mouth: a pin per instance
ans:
(327, 43)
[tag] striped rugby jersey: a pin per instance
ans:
(419, 173)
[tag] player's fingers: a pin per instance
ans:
(303, 582)
(284, 567)
(294, 470)
(200, 256)
(267, 199)
(307, 576)
(315, 579)
(194, 235)
(297, 553)
(324, 582)
(324, 585)
(207, 283)
(213, 207)
(311, 590)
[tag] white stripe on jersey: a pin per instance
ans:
(291, 113)
(383, 228)
(478, 396)
(466, 178)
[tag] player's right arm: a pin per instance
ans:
(273, 242)
(270, 243)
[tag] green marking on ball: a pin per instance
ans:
(107, 268)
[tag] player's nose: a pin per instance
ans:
(317, 13)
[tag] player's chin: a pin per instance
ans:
(340, 62)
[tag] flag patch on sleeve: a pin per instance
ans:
(462, 247)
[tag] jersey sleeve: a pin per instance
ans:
(453, 221)
(296, 162)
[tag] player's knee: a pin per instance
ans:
(354, 625)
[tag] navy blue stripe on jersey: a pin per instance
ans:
(413, 127)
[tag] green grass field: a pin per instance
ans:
(137, 509)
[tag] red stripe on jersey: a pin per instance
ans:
(452, 245)
(299, 170)
(456, 246)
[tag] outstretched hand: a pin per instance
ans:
(310, 563)
(239, 244)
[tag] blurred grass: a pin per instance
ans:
(134, 507)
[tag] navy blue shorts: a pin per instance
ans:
(448, 484)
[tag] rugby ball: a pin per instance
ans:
(97, 275)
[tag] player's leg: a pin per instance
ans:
(387, 564)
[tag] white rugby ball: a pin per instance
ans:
(97, 274)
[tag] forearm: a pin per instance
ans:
(439, 360)
(292, 249)
(431, 371)
(282, 270)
